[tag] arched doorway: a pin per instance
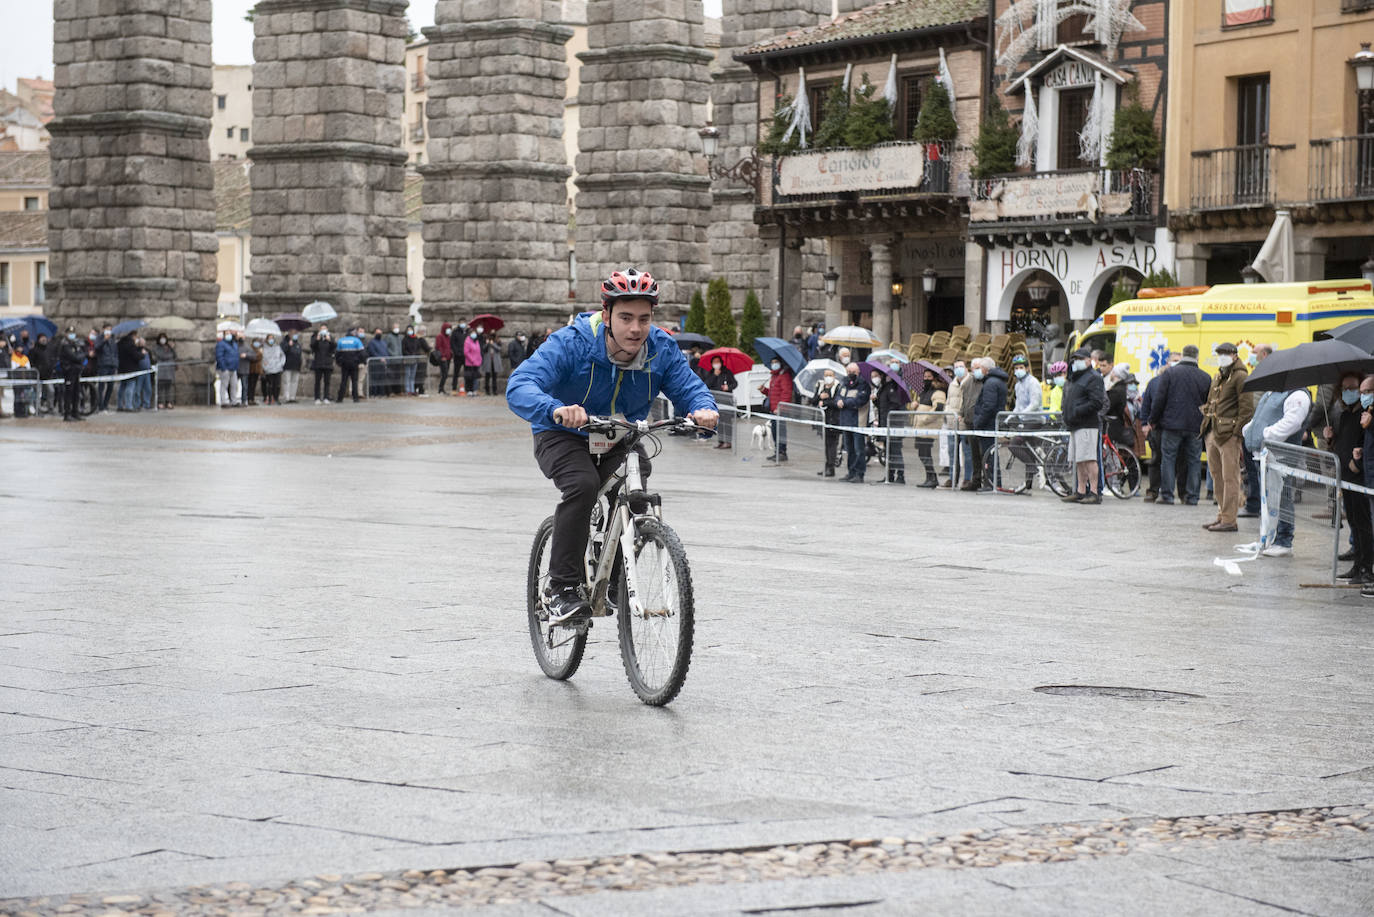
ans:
(1104, 287)
(1034, 302)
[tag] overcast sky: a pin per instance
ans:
(27, 51)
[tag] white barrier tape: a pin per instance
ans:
(120, 377)
(910, 432)
(1324, 480)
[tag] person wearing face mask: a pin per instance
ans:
(273, 364)
(491, 362)
(472, 361)
(825, 400)
(1282, 416)
(852, 397)
(395, 373)
(779, 391)
(322, 363)
(720, 379)
(106, 364)
(70, 358)
(126, 351)
(144, 396)
(1228, 409)
(43, 358)
(961, 454)
(1177, 396)
(892, 397)
(1084, 400)
(970, 391)
(992, 399)
(1252, 482)
(1117, 416)
(515, 350)
(1054, 397)
(349, 355)
(165, 356)
(930, 412)
(254, 353)
(443, 345)
(411, 351)
(1346, 436)
(291, 366)
(1027, 400)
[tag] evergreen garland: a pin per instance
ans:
(995, 148)
(836, 108)
(1134, 143)
(773, 144)
(870, 119)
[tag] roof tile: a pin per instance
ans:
(878, 19)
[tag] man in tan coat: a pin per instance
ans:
(1227, 410)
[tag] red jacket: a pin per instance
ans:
(443, 344)
(779, 388)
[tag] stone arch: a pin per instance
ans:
(1003, 312)
(1101, 280)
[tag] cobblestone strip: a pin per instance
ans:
(514, 882)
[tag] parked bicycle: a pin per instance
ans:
(650, 596)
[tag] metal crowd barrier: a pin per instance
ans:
(914, 434)
(725, 428)
(799, 433)
(1023, 450)
(1284, 468)
(395, 375)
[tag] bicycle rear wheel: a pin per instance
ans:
(656, 642)
(558, 649)
(1059, 474)
(86, 399)
(1123, 474)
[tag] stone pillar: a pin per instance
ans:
(1309, 257)
(782, 293)
(643, 197)
(495, 192)
(328, 167)
(738, 253)
(131, 225)
(833, 312)
(1191, 260)
(882, 291)
(976, 310)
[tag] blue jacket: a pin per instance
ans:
(991, 400)
(376, 349)
(571, 367)
(227, 355)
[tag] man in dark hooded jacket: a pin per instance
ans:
(992, 400)
(1085, 397)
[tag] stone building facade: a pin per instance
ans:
(643, 194)
(132, 212)
(495, 193)
(328, 168)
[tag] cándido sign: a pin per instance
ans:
(896, 166)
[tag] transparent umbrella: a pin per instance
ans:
(811, 374)
(264, 327)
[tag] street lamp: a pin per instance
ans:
(1367, 270)
(1363, 64)
(745, 171)
(897, 285)
(1250, 275)
(1129, 283)
(928, 279)
(1039, 290)
(832, 280)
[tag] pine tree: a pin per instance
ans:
(936, 120)
(995, 148)
(720, 321)
(870, 119)
(1157, 279)
(836, 115)
(773, 144)
(696, 314)
(751, 324)
(1134, 143)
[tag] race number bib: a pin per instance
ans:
(601, 443)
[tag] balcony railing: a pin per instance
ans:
(1094, 195)
(1341, 168)
(418, 81)
(417, 132)
(1236, 176)
(888, 170)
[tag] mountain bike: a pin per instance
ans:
(1120, 469)
(650, 596)
(1010, 464)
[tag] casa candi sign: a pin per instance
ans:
(896, 166)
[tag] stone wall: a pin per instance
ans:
(643, 196)
(328, 167)
(132, 219)
(495, 193)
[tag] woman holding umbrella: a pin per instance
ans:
(892, 396)
(720, 379)
(930, 405)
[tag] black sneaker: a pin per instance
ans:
(564, 603)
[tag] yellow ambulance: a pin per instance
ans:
(1143, 332)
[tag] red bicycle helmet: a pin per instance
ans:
(629, 284)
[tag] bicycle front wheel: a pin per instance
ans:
(656, 636)
(1059, 474)
(1123, 474)
(558, 649)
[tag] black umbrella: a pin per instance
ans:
(1360, 332)
(687, 340)
(1313, 363)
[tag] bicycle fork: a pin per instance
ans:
(621, 530)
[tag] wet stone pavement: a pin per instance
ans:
(275, 661)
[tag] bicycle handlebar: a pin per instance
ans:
(597, 424)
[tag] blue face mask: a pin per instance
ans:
(1350, 396)
(1366, 399)
(978, 374)
(1080, 365)
(1020, 374)
(959, 372)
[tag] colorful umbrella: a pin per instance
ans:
(868, 367)
(487, 322)
(851, 336)
(914, 374)
(737, 361)
(786, 351)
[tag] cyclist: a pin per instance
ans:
(607, 362)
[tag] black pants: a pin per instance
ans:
(470, 374)
(856, 446)
(444, 366)
(71, 394)
(489, 382)
(832, 448)
(322, 377)
(563, 457)
(271, 387)
(896, 464)
(978, 445)
(348, 378)
(103, 392)
(923, 447)
(1361, 527)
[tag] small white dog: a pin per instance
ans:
(763, 438)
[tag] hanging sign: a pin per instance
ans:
(1070, 73)
(896, 166)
